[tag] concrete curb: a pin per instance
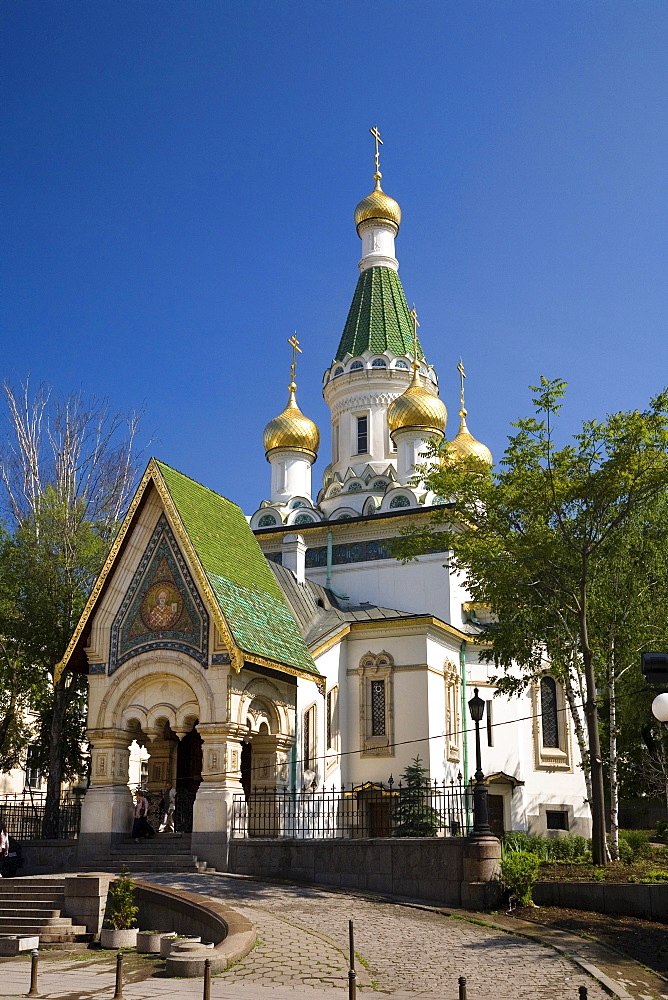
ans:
(237, 934)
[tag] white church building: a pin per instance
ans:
(289, 651)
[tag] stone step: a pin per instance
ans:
(25, 910)
(19, 921)
(28, 884)
(13, 905)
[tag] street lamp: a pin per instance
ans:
(660, 709)
(481, 827)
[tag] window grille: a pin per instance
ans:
(306, 756)
(400, 501)
(266, 520)
(378, 708)
(550, 719)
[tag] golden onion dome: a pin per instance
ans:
(465, 446)
(291, 430)
(417, 407)
(378, 205)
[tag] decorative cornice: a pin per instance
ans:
(363, 399)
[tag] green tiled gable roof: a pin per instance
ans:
(246, 589)
(379, 318)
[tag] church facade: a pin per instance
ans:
(289, 650)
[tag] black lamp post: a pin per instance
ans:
(481, 827)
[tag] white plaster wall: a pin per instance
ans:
(290, 476)
(420, 587)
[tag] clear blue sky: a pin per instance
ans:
(179, 180)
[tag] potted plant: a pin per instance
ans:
(119, 928)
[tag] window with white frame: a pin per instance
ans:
(551, 733)
(362, 432)
(309, 739)
(452, 681)
(377, 710)
(332, 719)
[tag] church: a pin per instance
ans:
(270, 661)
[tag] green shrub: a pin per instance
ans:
(121, 912)
(519, 871)
(558, 849)
(662, 828)
(655, 876)
(633, 844)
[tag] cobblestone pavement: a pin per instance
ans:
(303, 940)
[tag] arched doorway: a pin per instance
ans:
(246, 768)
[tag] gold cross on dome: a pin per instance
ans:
(413, 316)
(462, 376)
(375, 132)
(294, 344)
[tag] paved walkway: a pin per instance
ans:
(405, 952)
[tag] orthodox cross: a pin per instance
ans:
(294, 344)
(413, 316)
(376, 134)
(462, 376)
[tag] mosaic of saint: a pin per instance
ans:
(162, 608)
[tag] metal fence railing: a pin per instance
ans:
(367, 810)
(23, 814)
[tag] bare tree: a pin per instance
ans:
(68, 467)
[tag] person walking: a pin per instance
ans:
(167, 807)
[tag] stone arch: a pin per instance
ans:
(155, 688)
(263, 702)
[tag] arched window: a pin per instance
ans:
(356, 365)
(303, 519)
(338, 371)
(379, 363)
(297, 503)
(353, 487)
(400, 364)
(549, 716)
(400, 501)
(266, 520)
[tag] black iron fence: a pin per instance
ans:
(23, 814)
(370, 810)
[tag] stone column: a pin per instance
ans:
(106, 815)
(221, 781)
(268, 782)
(481, 889)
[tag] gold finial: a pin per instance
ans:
(375, 132)
(462, 376)
(294, 344)
(413, 315)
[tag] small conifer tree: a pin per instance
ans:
(413, 814)
(121, 911)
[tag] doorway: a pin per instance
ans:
(246, 768)
(496, 822)
(188, 778)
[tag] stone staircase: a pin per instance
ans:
(34, 906)
(166, 852)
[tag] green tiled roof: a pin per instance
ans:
(245, 588)
(379, 318)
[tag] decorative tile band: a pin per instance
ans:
(220, 659)
(97, 668)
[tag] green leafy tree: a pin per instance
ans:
(68, 469)
(413, 814)
(533, 537)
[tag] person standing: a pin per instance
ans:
(141, 826)
(167, 807)
(4, 844)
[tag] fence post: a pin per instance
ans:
(207, 979)
(34, 958)
(118, 995)
(352, 976)
(462, 988)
